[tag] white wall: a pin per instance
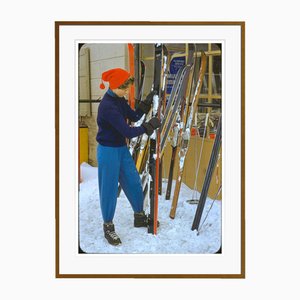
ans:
(102, 58)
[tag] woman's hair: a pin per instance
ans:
(125, 85)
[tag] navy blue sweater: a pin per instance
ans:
(113, 129)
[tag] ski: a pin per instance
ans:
(184, 138)
(208, 175)
(172, 162)
(130, 48)
(137, 73)
(134, 145)
(154, 146)
(166, 58)
(173, 97)
(175, 130)
(172, 106)
(142, 153)
(179, 98)
(142, 81)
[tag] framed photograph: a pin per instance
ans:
(186, 83)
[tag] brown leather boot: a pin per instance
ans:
(141, 220)
(110, 234)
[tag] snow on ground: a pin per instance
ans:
(173, 236)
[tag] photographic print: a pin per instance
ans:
(189, 108)
(149, 126)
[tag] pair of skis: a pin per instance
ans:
(184, 138)
(208, 176)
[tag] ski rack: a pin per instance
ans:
(212, 105)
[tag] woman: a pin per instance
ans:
(115, 163)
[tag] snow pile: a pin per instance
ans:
(173, 237)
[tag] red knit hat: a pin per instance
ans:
(115, 77)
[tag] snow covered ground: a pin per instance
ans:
(173, 236)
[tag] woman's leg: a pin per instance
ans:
(108, 175)
(130, 181)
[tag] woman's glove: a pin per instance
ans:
(145, 105)
(150, 126)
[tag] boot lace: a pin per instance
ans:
(113, 235)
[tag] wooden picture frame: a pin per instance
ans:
(68, 263)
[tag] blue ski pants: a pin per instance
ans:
(115, 164)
